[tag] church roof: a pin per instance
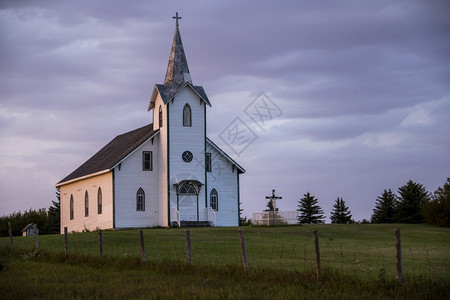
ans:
(161, 89)
(177, 73)
(114, 152)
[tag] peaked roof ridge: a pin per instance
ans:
(241, 169)
(161, 89)
(177, 72)
(113, 152)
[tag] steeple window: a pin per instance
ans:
(187, 116)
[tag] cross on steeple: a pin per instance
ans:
(176, 17)
(273, 198)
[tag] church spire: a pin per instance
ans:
(177, 70)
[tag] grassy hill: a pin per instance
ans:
(357, 260)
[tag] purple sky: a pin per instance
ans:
(363, 87)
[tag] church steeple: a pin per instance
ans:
(177, 73)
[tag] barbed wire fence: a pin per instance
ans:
(284, 247)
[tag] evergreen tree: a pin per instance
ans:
(413, 196)
(243, 221)
(54, 217)
(310, 211)
(437, 210)
(341, 212)
(385, 210)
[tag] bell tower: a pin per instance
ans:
(179, 112)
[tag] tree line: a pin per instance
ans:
(413, 204)
(47, 221)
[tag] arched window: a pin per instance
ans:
(99, 201)
(86, 204)
(187, 121)
(71, 207)
(214, 199)
(187, 189)
(140, 200)
(160, 117)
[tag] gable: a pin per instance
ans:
(161, 90)
(111, 154)
(226, 156)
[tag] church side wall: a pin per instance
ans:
(78, 189)
(224, 178)
(187, 139)
(129, 177)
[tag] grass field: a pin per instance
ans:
(357, 260)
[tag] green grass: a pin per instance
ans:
(358, 261)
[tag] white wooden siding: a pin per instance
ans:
(162, 162)
(128, 178)
(187, 139)
(94, 220)
(225, 181)
(158, 188)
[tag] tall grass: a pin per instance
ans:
(43, 274)
(360, 250)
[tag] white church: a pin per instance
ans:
(163, 174)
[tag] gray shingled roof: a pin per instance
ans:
(113, 152)
(197, 88)
(177, 73)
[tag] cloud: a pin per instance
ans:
(363, 87)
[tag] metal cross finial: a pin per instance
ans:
(176, 18)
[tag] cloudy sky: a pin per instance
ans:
(362, 88)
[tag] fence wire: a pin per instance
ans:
(366, 251)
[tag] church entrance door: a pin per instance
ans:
(188, 202)
(188, 207)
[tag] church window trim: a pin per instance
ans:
(187, 115)
(86, 204)
(160, 117)
(214, 199)
(187, 189)
(99, 201)
(140, 200)
(147, 161)
(208, 164)
(71, 207)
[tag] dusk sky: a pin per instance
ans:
(362, 88)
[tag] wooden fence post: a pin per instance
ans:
(317, 252)
(10, 235)
(36, 239)
(398, 262)
(188, 246)
(66, 245)
(141, 234)
(243, 249)
(100, 242)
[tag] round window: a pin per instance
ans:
(187, 156)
